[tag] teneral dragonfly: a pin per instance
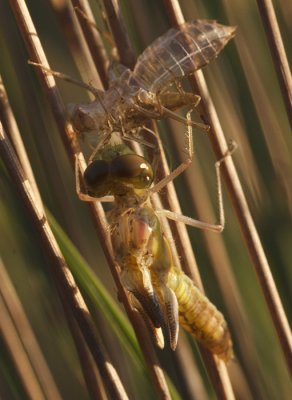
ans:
(160, 291)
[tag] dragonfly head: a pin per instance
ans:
(87, 116)
(125, 174)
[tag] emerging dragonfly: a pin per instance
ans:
(159, 290)
(135, 96)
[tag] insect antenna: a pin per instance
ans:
(99, 94)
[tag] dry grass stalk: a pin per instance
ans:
(68, 290)
(19, 337)
(217, 371)
(86, 362)
(37, 54)
(239, 201)
(273, 33)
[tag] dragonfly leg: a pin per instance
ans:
(166, 112)
(97, 93)
(177, 117)
(80, 167)
(169, 101)
(134, 136)
(178, 99)
(197, 223)
(184, 165)
(99, 145)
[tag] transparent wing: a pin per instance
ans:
(180, 52)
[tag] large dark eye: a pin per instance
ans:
(96, 173)
(132, 169)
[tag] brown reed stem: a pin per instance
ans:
(92, 37)
(25, 352)
(90, 373)
(240, 204)
(217, 370)
(68, 290)
(102, 230)
(277, 49)
(119, 31)
(170, 200)
(11, 128)
(74, 36)
(37, 54)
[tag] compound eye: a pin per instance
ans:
(132, 169)
(96, 173)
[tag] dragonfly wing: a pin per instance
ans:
(157, 333)
(137, 281)
(116, 72)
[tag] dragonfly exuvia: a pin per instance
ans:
(153, 89)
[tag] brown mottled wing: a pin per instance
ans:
(180, 52)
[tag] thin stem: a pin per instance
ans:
(36, 54)
(217, 371)
(90, 373)
(18, 335)
(92, 37)
(10, 126)
(74, 35)
(239, 201)
(68, 290)
(127, 56)
(273, 33)
(86, 363)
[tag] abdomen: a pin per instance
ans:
(199, 316)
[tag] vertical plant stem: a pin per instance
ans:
(240, 204)
(273, 33)
(68, 290)
(37, 54)
(93, 38)
(22, 344)
(86, 363)
(10, 126)
(216, 369)
(118, 28)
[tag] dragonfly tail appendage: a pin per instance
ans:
(199, 316)
(171, 314)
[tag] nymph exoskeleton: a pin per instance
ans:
(153, 89)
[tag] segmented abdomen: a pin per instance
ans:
(199, 316)
(180, 52)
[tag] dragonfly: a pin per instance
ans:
(160, 291)
(153, 89)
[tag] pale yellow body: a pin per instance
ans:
(199, 316)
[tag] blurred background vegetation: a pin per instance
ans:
(245, 90)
